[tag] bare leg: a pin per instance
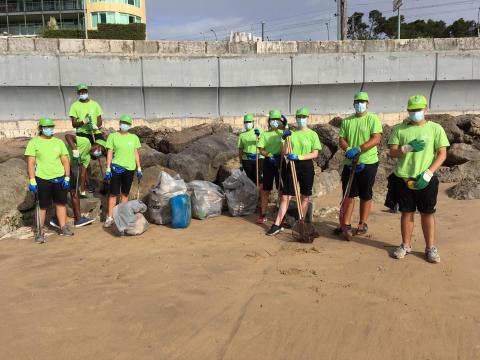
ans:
(264, 201)
(112, 201)
(43, 215)
(349, 211)
(304, 205)
(365, 207)
(282, 209)
(407, 222)
(123, 198)
(83, 178)
(75, 205)
(61, 211)
(428, 227)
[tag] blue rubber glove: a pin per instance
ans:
(294, 157)
(359, 168)
(352, 152)
(66, 183)
(108, 174)
(251, 156)
(257, 132)
(286, 134)
(33, 187)
(139, 173)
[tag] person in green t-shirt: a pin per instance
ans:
(359, 136)
(122, 160)
(421, 148)
(247, 149)
(270, 145)
(305, 147)
(49, 173)
(86, 115)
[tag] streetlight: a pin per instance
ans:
(214, 33)
(85, 18)
(328, 31)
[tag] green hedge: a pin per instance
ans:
(136, 31)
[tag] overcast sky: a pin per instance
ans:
(284, 19)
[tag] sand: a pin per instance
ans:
(223, 290)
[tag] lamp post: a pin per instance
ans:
(85, 18)
(328, 31)
(214, 33)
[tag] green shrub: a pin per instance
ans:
(136, 31)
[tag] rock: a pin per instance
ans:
(144, 133)
(461, 153)
(467, 189)
(225, 170)
(387, 131)
(90, 207)
(328, 135)
(448, 122)
(13, 186)
(323, 157)
(474, 128)
(202, 159)
(151, 157)
(469, 170)
(10, 220)
(178, 141)
(219, 127)
(464, 122)
(325, 182)
(13, 148)
(336, 161)
(158, 137)
(336, 122)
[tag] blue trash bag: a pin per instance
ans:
(181, 211)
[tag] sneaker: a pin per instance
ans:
(54, 223)
(362, 231)
(274, 230)
(108, 222)
(83, 221)
(83, 194)
(402, 251)
(40, 238)
(262, 219)
(65, 231)
(91, 187)
(431, 254)
(339, 231)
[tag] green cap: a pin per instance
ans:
(46, 122)
(275, 114)
(362, 95)
(248, 118)
(82, 87)
(303, 111)
(126, 119)
(101, 142)
(417, 102)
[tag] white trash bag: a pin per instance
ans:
(241, 193)
(207, 199)
(129, 219)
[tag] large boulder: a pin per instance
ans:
(158, 136)
(461, 153)
(336, 122)
(202, 159)
(151, 157)
(226, 169)
(324, 157)
(328, 135)
(150, 179)
(325, 182)
(13, 148)
(467, 189)
(449, 123)
(336, 161)
(469, 170)
(144, 133)
(90, 207)
(387, 131)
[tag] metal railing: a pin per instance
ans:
(35, 6)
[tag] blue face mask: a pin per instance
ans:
(274, 124)
(416, 116)
(48, 131)
(248, 126)
(302, 122)
(360, 107)
(124, 127)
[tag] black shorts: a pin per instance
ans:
(121, 183)
(270, 174)
(305, 175)
(98, 136)
(49, 192)
(363, 181)
(250, 168)
(425, 201)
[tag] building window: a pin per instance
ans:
(126, 2)
(113, 18)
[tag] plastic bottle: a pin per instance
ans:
(181, 211)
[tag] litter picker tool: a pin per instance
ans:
(79, 168)
(103, 190)
(39, 230)
(344, 203)
(256, 161)
(138, 188)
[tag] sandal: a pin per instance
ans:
(362, 231)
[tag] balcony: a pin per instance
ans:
(36, 6)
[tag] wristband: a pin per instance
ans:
(406, 148)
(67, 178)
(139, 168)
(33, 182)
(427, 175)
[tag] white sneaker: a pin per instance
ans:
(432, 255)
(108, 222)
(402, 251)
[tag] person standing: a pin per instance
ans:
(122, 160)
(49, 173)
(420, 147)
(247, 149)
(359, 136)
(270, 145)
(305, 147)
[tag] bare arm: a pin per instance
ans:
(76, 123)
(99, 121)
(66, 165)
(240, 155)
(439, 160)
(109, 157)
(137, 159)
(396, 152)
(311, 156)
(31, 167)
(343, 144)
(71, 141)
(263, 152)
(372, 142)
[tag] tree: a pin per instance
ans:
(356, 28)
(462, 28)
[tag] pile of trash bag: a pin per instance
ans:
(159, 210)
(207, 199)
(241, 194)
(129, 217)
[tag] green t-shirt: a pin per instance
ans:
(304, 142)
(247, 142)
(271, 141)
(357, 131)
(83, 147)
(123, 147)
(47, 153)
(80, 110)
(413, 164)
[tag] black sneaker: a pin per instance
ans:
(339, 231)
(274, 230)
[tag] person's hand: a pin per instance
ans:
(66, 183)
(351, 153)
(89, 126)
(294, 157)
(257, 132)
(423, 180)
(413, 146)
(284, 121)
(251, 156)
(360, 167)
(139, 173)
(76, 154)
(286, 134)
(108, 174)
(33, 187)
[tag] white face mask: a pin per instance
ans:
(416, 116)
(83, 96)
(97, 153)
(248, 126)
(360, 107)
(274, 124)
(124, 127)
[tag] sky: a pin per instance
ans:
(284, 19)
